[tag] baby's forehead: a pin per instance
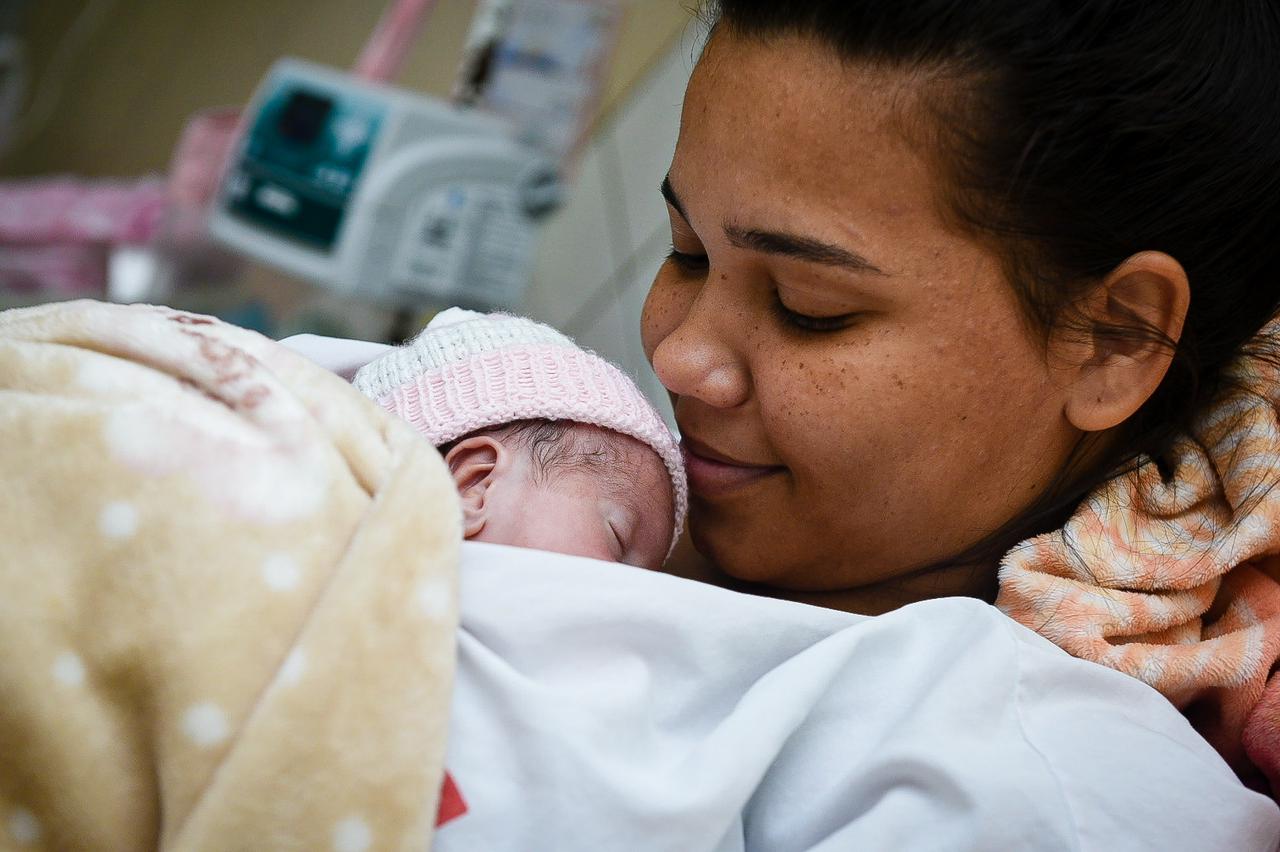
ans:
(630, 468)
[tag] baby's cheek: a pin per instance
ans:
(562, 527)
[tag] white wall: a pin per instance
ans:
(597, 256)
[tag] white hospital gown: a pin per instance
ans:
(602, 708)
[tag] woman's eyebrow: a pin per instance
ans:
(801, 248)
(788, 245)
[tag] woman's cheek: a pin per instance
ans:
(806, 412)
(827, 411)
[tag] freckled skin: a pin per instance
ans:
(926, 423)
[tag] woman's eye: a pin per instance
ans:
(688, 262)
(811, 323)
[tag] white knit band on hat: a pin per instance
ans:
(468, 371)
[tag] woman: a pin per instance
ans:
(941, 270)
(930, 264)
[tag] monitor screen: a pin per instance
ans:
(303, 117)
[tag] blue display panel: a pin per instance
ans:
(302, 161)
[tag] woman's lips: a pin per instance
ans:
(712, 473)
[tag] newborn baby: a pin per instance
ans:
(551, 447)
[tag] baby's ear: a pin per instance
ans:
(475, 463)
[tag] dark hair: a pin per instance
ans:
(1075, 134)
(555, 446)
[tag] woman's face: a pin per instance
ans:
(857, 390)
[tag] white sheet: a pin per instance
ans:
(606, 709)
(336, 354)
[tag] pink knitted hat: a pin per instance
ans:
(467, 371)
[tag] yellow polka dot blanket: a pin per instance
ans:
(228, 608)
(1174, 578)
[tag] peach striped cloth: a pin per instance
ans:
(1177, 581)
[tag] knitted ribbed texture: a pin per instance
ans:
(469, 371)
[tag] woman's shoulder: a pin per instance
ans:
(977, 726)
(686, 708)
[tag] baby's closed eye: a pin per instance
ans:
(621, 526)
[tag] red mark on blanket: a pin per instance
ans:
(452, 805)
(190, 319)
(234, 370)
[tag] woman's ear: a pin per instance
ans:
(1111, 376)
(476, 464)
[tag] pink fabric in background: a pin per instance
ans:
(195, 173)
(56, 233)
(196, 166)
(60, 271)
(43, 211)
(385, 51)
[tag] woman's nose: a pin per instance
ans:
(699, 357)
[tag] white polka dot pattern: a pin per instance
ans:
(281, 572)
(295, 666)
(68, 669)
(352, 835)
(118, 520)
(435, 598)
(205, 724)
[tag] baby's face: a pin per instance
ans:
(623, 513)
